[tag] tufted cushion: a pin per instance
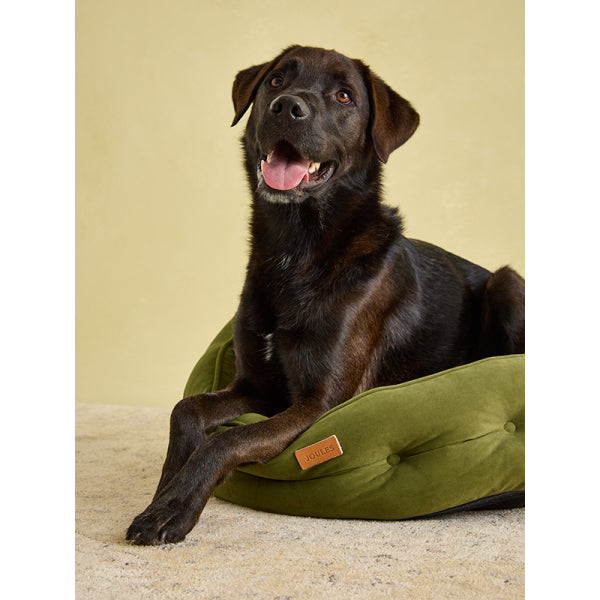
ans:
(455, 439)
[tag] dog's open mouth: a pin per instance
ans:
(284, 168)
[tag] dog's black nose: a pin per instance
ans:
(288, 105)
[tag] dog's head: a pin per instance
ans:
(319, 121)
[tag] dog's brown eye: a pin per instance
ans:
(343, 97)
(276, 81)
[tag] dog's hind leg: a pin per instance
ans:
(503, 314)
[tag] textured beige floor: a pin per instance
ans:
(237, 553)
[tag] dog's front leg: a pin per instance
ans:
(177, 507)
(192, 417)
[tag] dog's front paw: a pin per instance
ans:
(160, 524)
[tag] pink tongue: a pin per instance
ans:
(283, 173)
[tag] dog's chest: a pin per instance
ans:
(268, 347)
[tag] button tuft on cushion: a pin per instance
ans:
(393, 460)
(510, 427)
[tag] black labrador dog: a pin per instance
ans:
(336, 299)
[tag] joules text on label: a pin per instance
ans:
(318, 453)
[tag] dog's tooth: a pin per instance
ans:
(269, 157)
(313, 167)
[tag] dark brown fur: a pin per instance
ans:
(336, 299)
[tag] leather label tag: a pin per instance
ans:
(318, 453)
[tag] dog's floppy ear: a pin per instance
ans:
(244, 88)
(246, 83)
(394, 120)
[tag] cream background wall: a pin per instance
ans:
(162, 203)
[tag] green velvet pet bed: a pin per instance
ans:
(450, 441)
